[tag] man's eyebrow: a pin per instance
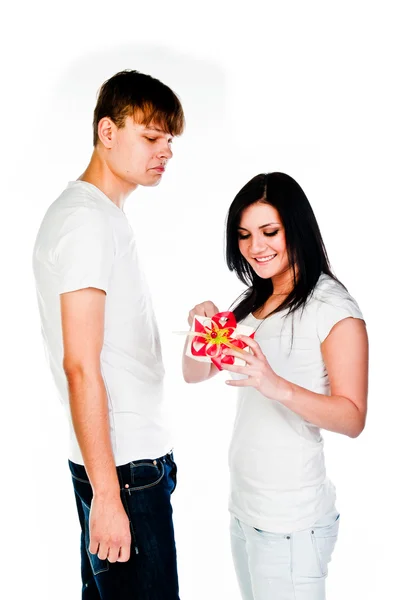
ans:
(261, 226)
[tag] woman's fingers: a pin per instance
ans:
(246, 356)
(253, 345)
(240, 382)
(235, 369)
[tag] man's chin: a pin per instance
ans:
(151, 182)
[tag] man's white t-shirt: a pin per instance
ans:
(85, 241)
(278, 478)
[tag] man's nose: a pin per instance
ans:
(165, 152)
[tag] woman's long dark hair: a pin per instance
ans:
(305, 248)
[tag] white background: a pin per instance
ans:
(308, 88)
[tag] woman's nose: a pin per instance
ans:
(258, 244)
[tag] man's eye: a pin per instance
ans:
(271, 233)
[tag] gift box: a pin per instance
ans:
(210, 335)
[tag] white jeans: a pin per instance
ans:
(277, 566)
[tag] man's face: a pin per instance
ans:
(138, 154)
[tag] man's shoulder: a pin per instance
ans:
(76, 199)
(74, 207)
(74, 215)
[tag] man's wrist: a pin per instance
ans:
(107, 488)
(108, 493)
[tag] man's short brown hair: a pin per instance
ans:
(146, 99)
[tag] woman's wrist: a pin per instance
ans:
(284, 391)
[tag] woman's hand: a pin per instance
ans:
(259, 373)
(205, 309)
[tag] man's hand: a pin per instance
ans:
(110, 536)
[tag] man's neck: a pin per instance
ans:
(99, 174)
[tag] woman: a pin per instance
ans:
(308, 369)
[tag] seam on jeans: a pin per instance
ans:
(291, 567)
(133, 534)
(317, 554)
(97, 571)
(79, 479)
(84, 504)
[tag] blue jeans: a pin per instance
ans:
(151, 572)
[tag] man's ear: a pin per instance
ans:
(106, 131)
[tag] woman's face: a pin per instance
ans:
(262, 240)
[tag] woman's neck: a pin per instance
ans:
(283, 283)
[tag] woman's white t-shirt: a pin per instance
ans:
(278, 478)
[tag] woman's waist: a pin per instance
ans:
(271, 465)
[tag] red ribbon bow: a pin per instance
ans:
(214, 335)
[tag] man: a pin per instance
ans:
(103, 347)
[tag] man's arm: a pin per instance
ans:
(82, 314)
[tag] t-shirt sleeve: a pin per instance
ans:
(84, 253)
(333, 310)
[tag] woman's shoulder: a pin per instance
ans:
(331, 291)
(331, 302)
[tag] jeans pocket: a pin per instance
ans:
(84, 495)
(324, 535)
(144, 474)
(98, 565)
(272, 552)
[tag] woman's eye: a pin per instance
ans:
(151, 139)
(271, 233)
(243, 237)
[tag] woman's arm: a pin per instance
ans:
(195, 371)
(345, 353)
